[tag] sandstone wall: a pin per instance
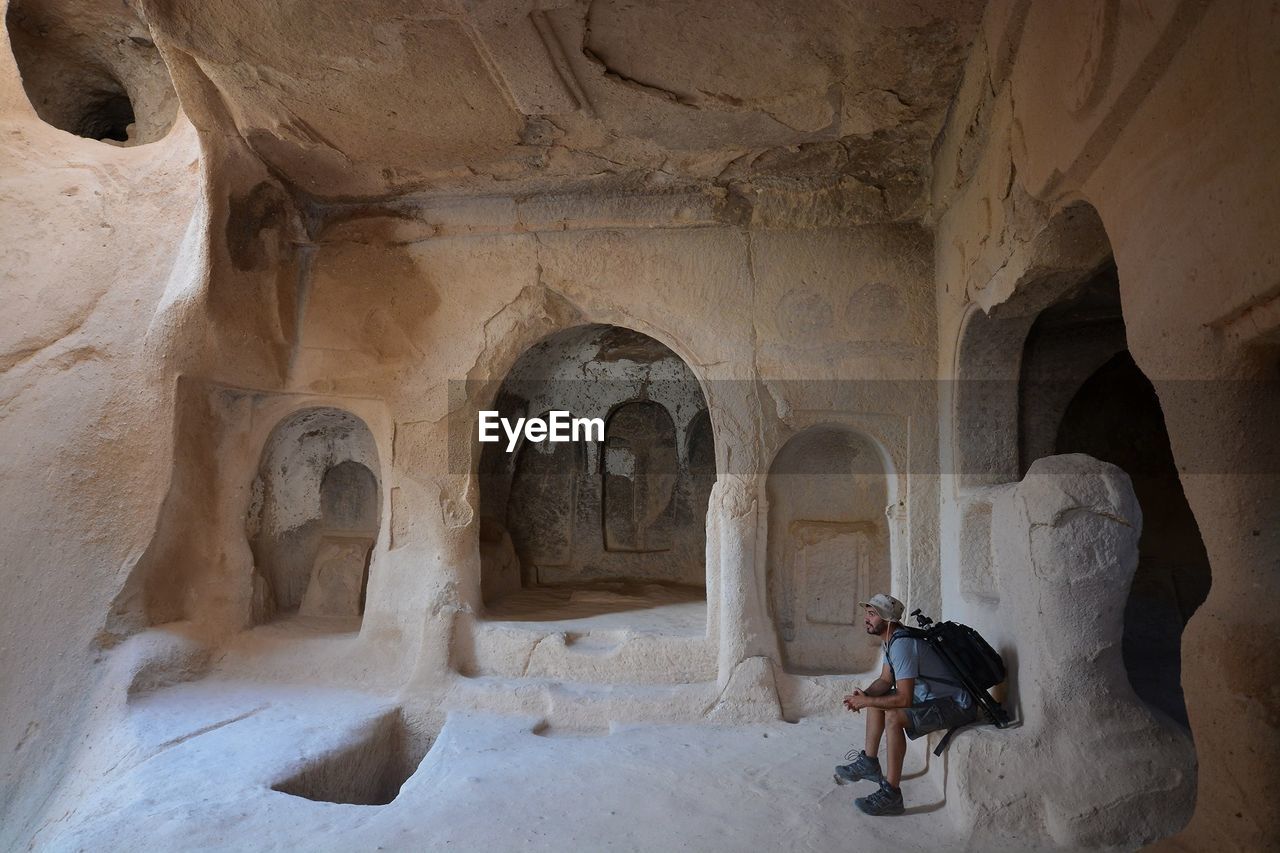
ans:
(176, 299)
(382, 316)
(109, 252)
(1157, 119)
(95, 243)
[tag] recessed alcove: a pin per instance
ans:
(829, 547)
(1051, 373)
(1115, 416)
(314, 518)
(593, 529)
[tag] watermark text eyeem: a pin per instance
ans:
(556, 426)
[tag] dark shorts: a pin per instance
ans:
(937, 714)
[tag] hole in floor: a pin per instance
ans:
(368, 772)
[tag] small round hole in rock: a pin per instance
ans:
(107, 116)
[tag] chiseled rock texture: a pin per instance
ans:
(264, 262)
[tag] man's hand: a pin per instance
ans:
(855, 701)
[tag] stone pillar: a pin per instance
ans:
(743, 620)
(1065, 542)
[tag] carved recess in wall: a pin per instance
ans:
(828, 567)
(631, 507)
(315, 493)
(829, 547)
(640, 470)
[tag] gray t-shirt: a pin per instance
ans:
(912, 658)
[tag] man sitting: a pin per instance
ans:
(914, 695)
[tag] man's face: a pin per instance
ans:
(875, 624)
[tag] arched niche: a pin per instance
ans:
(314, 517)
(985, 398)
(829, 547)
(540, 509)
(988, 364)
(1067, 343)
(616, 521)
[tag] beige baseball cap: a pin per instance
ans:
(886, 605)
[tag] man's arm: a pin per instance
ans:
(899, 698)
(881, 685)
(904, 659)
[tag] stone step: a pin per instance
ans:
(554, 650)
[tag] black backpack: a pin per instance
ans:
(973, 664)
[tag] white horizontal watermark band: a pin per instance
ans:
(557, 426)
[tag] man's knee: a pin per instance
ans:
(896, 718)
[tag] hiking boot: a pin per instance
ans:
(886, 801)
(862, 767)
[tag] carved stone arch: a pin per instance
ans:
(1046, 370)
(634, 510)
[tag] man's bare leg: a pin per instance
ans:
(896, 722)
(875, 728)
(866, 765)
(888, 800)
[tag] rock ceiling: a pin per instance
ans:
(383, 97)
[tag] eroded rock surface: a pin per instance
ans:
(852, 285)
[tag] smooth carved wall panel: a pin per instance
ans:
(338, 578)
(832, 565)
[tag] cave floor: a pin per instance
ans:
(639, 608)
(195, 765)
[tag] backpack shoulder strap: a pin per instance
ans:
(903, 631)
